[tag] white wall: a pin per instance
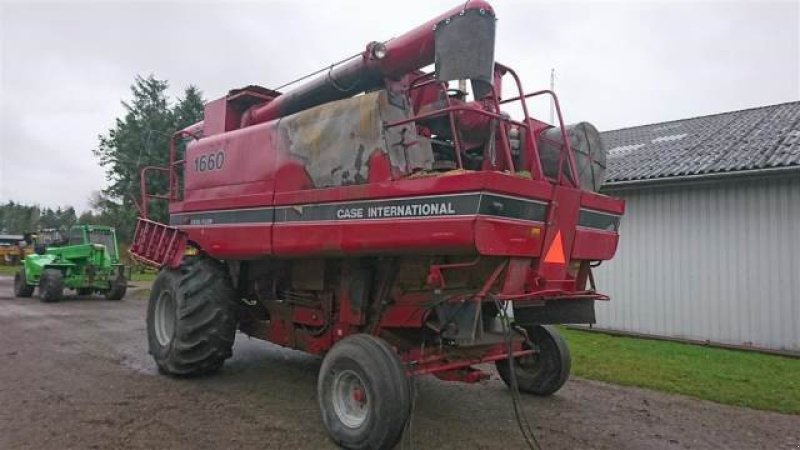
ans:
(717, 262)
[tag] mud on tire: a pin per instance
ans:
(21, 286)
(363, 393)
(545, 372)
(118, 288)
(190, 318)
(51, 285)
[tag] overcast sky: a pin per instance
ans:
(66, 66)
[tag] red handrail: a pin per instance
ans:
(171, 169)
(536, 163)
(567, 147)
(537, 171)
(143, 186)
(456, 108)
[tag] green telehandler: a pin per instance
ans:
(87, 261)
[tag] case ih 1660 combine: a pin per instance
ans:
(386, 218)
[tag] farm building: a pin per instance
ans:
(710, 242)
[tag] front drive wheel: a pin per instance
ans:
(51, 285)
(363, 393)
(118, 288)
(190, 318)
(542, 373)
(21, 286)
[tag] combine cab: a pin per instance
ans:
(87, 261)
(399, 221)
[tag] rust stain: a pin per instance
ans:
(335, 141)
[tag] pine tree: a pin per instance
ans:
(141, 138)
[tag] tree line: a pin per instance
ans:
(16, 218)
(139, 138)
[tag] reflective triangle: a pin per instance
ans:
(555, 254)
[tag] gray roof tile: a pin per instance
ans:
(757, 138)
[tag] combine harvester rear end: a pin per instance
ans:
(382, 217)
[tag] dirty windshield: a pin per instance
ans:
(104, 238)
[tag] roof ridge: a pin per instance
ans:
(701, 117)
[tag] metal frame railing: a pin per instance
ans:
(565, 154)
(173, 189)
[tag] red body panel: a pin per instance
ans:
(415, 236)
(486, 235)
(446, 184)
(509, 237)
(247, 177)
(240, 241)
(594, 245)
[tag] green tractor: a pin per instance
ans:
(87, 262)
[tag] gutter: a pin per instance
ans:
(701, 178)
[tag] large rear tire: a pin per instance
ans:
(363, 394)
(51, 285)
(21, 286)
(190, 318)
(542, 373)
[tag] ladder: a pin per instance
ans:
(156, 244)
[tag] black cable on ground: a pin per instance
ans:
(408, 432)
(522, 420)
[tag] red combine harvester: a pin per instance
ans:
(387, 218)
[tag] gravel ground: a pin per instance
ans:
(76, 374)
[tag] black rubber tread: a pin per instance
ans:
(384, 377)
(118, 288)
(21, 286)
(205, 318)
(51, 285)
(553, 363)
(84, 291)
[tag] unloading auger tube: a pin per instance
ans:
(392, 59)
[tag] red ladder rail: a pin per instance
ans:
(157, 245)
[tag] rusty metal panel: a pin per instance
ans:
(337, 140)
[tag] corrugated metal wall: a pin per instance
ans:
(715, 262)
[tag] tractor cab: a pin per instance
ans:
(48, 237)
(96, 236)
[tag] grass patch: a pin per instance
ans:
(146, 276)
(739, 378)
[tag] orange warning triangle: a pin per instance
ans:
(555, 254)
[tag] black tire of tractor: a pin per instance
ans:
(204, 318)
(388, 397)
(544, 373)
(118, 288)
(84, 292)
(21, 286)
(51, 285)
